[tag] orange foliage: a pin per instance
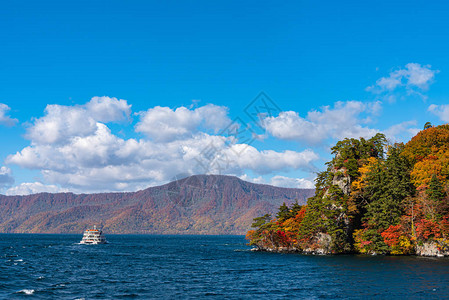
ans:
(426, 229)
(444, 225)
(436, 163)
(290, 227)
(301, 214)
(250, 235)
(397, 240)
(391, 235)
(426, 141)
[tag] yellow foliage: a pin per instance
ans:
(291, 225)
(360, 183)
(436, 163)
(404, 246)
(359, 243)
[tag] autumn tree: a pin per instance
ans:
(372, 199)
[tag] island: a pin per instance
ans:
(374, 198)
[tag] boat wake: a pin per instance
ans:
(26, 292)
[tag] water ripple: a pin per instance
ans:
(196, 267)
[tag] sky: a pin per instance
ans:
(102, 96)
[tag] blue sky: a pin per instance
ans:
(112, 96)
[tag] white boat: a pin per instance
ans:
(93, 236)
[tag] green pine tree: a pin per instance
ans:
(435, 192)
(283, 213)
(389, 186)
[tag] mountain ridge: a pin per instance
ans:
(199, 204)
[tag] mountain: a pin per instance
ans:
(200, 204)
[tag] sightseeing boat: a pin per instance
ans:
(93, 236)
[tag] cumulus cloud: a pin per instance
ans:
(4, 118)
(282, 181)
(100, 148)
(105, 162)
(289, 182)
(61, 123)
(6, 178)
(414, 77)
(74, 150)
(441, 111)
(402, 131)
(165, 124)
(267, 161)
(106, 109)
(344, 120)
(28, 188)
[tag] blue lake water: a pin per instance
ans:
(197, 267)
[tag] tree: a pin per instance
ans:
(435, 190)
(283, 213)
(427, 142)
(435, 194)
(389, 185)
(395, 239)
(371, 198)
(295, 208)
(259, 221)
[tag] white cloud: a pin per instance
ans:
(441, 111)
(106, 109)
(420, 76)
(130, 164)
(164, 124)
(61, 123)
(101, 148)
(4, 118)
(74, 150)
(374, 108)
(282, 181)
(289, 182)
(413, 76)
(267, 161)
(402, 131)
(28, 188)
(6, 178)
(342, 121)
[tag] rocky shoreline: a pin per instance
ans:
(429, 249)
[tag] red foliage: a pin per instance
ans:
(284, 239)
(391, 235)
(426, 229)
(444, 225)
(301, 214)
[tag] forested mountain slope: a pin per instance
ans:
(202, 204)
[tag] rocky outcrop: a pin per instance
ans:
(322, 245)
(277, 249)
(432, 249)
(342, 180)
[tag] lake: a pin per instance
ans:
(44, 266)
